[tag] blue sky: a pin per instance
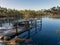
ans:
(29, 4)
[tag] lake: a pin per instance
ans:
(46, 33)
(49, 34)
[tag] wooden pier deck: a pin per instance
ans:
(12, 32)
(10, 35)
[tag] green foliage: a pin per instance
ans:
(53, 11)
(26, 14)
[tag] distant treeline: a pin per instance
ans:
(4, 12)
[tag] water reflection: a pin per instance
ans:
(33, 32)
(45, 32)
(46, 36)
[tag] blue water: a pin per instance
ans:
(48, 35)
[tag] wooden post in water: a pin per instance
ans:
(41, 23)
(28, 28)
(31, 22)
(9, 20)
(35, 25)
(0, 24)
(16, 30)
(17, 26)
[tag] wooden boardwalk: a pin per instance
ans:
(15, 40)
(12, 34)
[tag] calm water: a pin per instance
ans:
(45, 34)
(48, 35)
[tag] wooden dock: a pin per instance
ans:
(11, 33)
(9, 37)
